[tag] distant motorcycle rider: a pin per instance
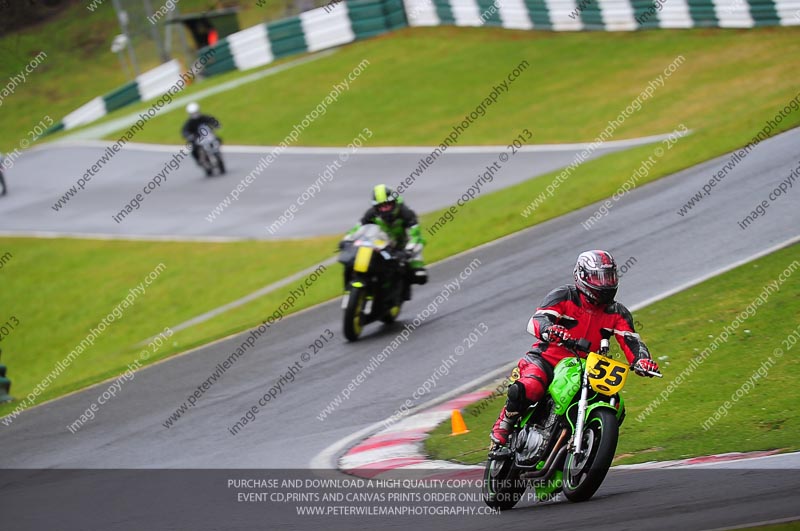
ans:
(390, 213)
(191, 128)
(585, 310)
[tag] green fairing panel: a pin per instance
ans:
(566, 382)
(596, 400)
(595, 405)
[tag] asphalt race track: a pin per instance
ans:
(37, 181)
(509, 280)
(686, 499)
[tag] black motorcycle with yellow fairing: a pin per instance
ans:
(566, 441)
(375, 279)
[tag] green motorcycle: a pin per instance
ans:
(565, 442)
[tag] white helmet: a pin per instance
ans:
(193, 108)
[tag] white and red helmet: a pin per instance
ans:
(596, 276)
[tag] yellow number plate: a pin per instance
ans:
(606, 376)
(363, 257)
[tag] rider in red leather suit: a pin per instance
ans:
(585, 310)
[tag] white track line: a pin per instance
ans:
(758, 524)
(715, 273)
(383, 150)
(125, 237)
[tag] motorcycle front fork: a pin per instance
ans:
(577, 441)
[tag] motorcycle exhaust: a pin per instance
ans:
(558, 462)
(550, 466)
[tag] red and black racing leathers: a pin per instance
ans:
(567, 307)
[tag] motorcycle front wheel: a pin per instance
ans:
(583, 474)
(205, 163)
(353, 314)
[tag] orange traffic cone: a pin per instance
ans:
(458, 424)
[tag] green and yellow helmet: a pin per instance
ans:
(385, 201)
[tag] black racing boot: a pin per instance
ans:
(503, 426)
(406, 291)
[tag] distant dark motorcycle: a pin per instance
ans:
(375, 278)
(208, 151)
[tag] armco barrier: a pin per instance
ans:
(249, 48)
(286, 37)
(147, 86)
(323, 30)
(311, 31)
(125, 95)
(605, 15)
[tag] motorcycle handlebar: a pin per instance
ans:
(583, 345)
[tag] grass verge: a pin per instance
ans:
(681, 327)
(574, 84)
(789, 526)
(56, 308)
